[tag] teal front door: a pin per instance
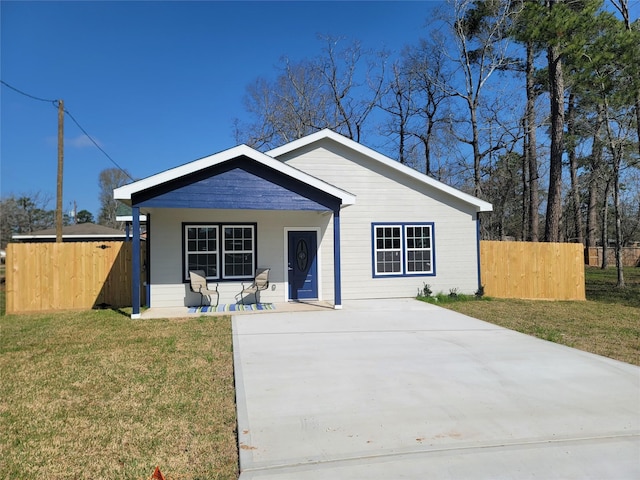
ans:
(303, 265)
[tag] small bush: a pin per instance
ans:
(425, 291)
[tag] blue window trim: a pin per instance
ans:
(403, 244)
(219, 225)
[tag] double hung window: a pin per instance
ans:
(224, 252)
(401, 249)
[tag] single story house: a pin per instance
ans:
(331, 218)
(81, 232)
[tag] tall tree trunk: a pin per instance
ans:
(427, 148)
(616, 209)
(573, 169)
(616, 154)
(594, 179)
(605, 226)
(534, 201)
(477, 188)
(554, 199)
(524, 232)
(592, 215)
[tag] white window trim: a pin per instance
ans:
(252, 251)
(407, 249)
(186, 252)
(376, 250)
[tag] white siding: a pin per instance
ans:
(167, 287)
(385, 195)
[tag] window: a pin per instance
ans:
(388, 251)
(224, 252)
(202, 249)
(402, 249)
(418, 241)
(238, 252)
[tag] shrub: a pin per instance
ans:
(425, 291)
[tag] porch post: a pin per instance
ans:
(337, 285)
(478, 236)
(135, 264)
(147, 263)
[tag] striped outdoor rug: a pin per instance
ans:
(233, 307)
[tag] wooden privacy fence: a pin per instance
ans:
(550, 271)
(74, 275)
(630, 256)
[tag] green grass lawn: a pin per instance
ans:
(96, 395)
(608, 323)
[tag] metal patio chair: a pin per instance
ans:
(198, 284)
(260, 282)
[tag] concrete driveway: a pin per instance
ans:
(403, 389)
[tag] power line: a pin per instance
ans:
(97, 146)
(55, 104)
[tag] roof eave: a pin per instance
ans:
(125, 192)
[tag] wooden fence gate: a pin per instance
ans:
(533, 270)
(68, 275)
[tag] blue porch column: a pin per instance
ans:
(135, 261)
(337, 280)
(478, 236)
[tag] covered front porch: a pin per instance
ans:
(229, 214)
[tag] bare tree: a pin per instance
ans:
(24, 213)
(478, 30)
(415, 104)
(337, 90)
(108, 180)
(397, 101)
(425, 67)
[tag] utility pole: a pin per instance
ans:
(60, 169)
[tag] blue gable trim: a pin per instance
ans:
(241, 183)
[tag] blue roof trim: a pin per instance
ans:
(241, 183)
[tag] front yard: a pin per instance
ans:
(608, 323)
(93, 394)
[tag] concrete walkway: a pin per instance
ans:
(403, 389)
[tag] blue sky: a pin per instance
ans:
(156, 84)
